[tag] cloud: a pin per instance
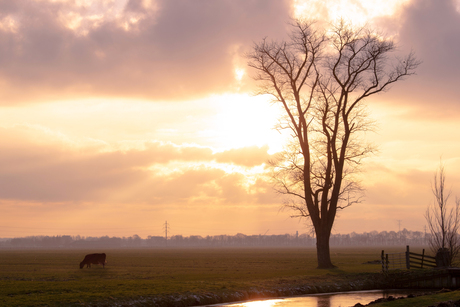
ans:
(172, 49)
(431, 28)
(45, 168)
(247, 156)
(390, 187)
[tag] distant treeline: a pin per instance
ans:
(373, 238)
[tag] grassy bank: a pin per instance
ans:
(45, 277)
(422, 301)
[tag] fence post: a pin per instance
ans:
(383, 260)
(387, 262)
(423, 256)
(407, 258)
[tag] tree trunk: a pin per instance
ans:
(322, 249)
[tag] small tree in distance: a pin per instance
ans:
(443, 220)
(321, 79)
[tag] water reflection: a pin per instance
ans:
(267, 303)
(342, 299)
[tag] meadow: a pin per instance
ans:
(53, 277)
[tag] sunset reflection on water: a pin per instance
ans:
(267, 303)
(264, 303)
(286, 302)
(338, 299)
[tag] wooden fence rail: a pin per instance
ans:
(406, 260)
(420, 260)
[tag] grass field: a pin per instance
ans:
(422, 301)
(53, 277)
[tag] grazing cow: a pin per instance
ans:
(93, 259)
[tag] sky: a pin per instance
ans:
(117, 116)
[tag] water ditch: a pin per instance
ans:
(340, 299)
(359, 288)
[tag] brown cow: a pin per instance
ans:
(93, 259)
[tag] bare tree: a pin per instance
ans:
(321, 79)
(443, 220)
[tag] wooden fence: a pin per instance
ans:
(406, 260)
(419, 261)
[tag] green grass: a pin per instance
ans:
(422, 301)
(53, 278)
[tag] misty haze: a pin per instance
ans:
(199, 152)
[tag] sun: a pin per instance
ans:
(239, 74)
(243, 120)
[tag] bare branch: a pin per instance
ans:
(443, 221)
(321, 81)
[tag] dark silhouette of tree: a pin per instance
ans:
(321, 79)
(443, 220)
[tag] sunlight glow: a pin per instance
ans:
(357, 11)
(267, 303)
(9, 24)
(245, 120)
(239, 73)
(220, 122)
(83, 15)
